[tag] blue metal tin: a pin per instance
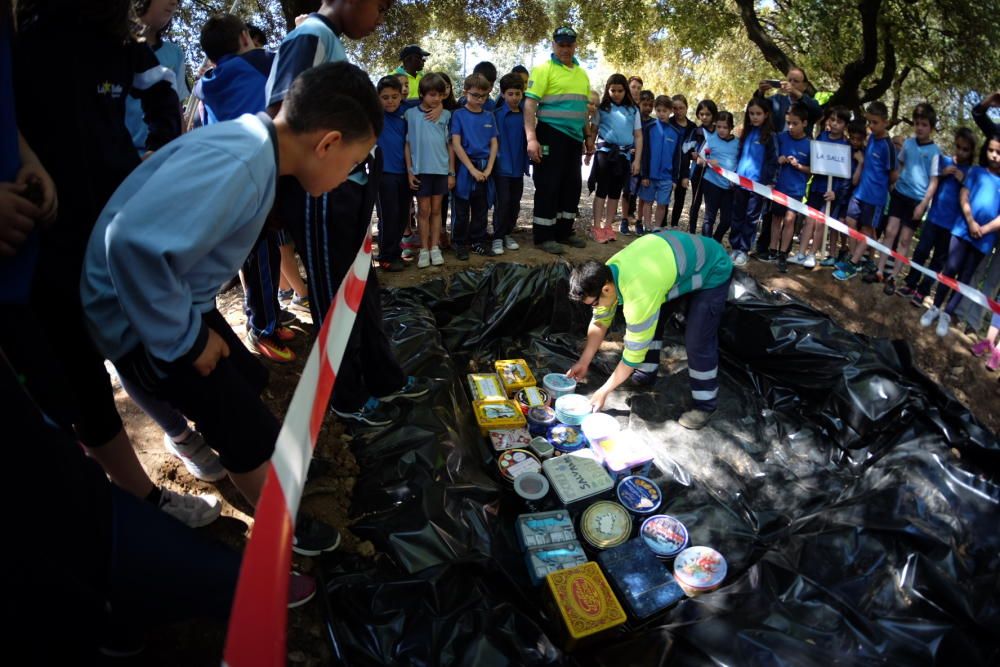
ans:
(540, 420)
(665, 535)
(565, 439)
(643, 583)
(640, 495)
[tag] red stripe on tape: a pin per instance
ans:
(856, 235)
(819, 216)
(950, 283)
(900, 258)
(354, 288)
(780, 198)
(746, 183)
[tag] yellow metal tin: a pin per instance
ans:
(485, 387)
(514, 375)
(585, 601)
(498, 415)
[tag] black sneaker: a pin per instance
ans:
(623, 229)
(372, 413)
(843, 255)
(462, 253)
(286, 318)
(314, 537)
(414, 388)
(890, 286)
(782, 262)
(482, 249)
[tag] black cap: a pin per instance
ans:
(412, 50)
(564, 34)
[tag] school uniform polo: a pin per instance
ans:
(428, 141)
(946, 205)
(920, 165)
(984, 202)
(391, 141)
(880, 160)
(477, 129)
(791, 181)
(512, 154)
(725, 151)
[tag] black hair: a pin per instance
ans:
(800, 111)
(726, 117)
(878, 109)
(857, 126)
(140, 7)
(680, 98)
(646, 96)
(766, 129)
(487, 69)
(925, 111)
(257, 34)
(512, 80)
(519, 69)
(220, 36)
(449, 103)
(616, 80)
(984, 160)
(477, 81)
(966, 135)
(663, 101)
(111, 18)
(333, 96)
(389, 81)
(432, 82)
(710, 105)
(588, 279)
(840, 112)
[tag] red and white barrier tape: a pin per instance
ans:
(968, 292)
(257, 624)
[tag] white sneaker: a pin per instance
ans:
(424, 259)
(942, 325)
(497, 246)
(929, 316)
(437, 259)
(510, 243)
(798, 258)
(809, 262)
(197, 457)
(741, 258)
(194, 510)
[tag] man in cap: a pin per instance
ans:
(555, 114)
(412, 57)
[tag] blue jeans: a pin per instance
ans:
(747, 209)
(717, 201)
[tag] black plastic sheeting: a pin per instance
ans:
(855, 501)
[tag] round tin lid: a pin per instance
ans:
(605, 524)
(574, 405)
(541, 415)
(531, 485)
(532, 397)
(558, 382)
(566, 438)
(665, 535)
(639, 494)
(515, 462)
(700, 567)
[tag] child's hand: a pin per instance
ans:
(829, 195)
(414, 181)
(645, 182)
(451, 182)
(975, 231)
(17, 218)
(586, 159)
(782, 159)
(700, 160)
(685, 183)
(714, 163)
(949, 170)
(918, 211)
(433, 114)
(478, 175)
(792, 160)
(35, 173)
(215, 349)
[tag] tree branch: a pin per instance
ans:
(755, 31)
(897, 96)
(888, 70)
(856, 71)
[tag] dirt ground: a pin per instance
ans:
(858, 307)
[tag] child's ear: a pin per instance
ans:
(327, 142)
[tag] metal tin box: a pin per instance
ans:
(585, 602)
(605, 524)
(514, 375)
(541, 529)
(576, 478)
(485, 387)
(498, 415)
(514, 438)
(543, 561)
(643, 583)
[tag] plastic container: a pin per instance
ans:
(576, 478)
(514, 462)
(542, 448)
(540, 420)
(540, 529)
(641, 582)
(605, 524)
(585, 603)
(624, 452)
(531, 486)
(639, 495)
(572, 409)
(498, 416)
(699, 570)
(599, 427)
(531, 397)
(543, 561)
(514, 375)
(557, 384)
(485, 387)
(665, 535)
(515, 438)
(565, 439)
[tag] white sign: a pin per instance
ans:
(830, 159)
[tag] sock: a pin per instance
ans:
(155, 496)
(183, 437)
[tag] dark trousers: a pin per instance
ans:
(508, 206)
(225, 405)
(261, 272)
(701, 338)
(698, 186)
(557, 185)
(764, 238)
(718, 201)
(468, 224)
(933, 239)
(963, 258)
(675, 214)
(747, 210)
(393, 206)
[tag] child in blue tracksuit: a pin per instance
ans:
(474, 140)
(394, 190)
(721, 149)
(935, 237)
(793, 172)
(181, 225)
(512, 161)
(660, 164)
(758, 161)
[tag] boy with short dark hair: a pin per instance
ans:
(660, 164)
(878, 172)
(793, 172)
(512, 162)
(837, 244)
(474, 140)
(168, 238)
(633, 208)
(394, 189)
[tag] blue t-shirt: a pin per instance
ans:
(171, 57)
(946, 205)
(476, 131)
(391, 141)
(616, 126)
(428, 141)
(512, 158)
(880, 160)
(725, 151)
(791, 181)
(984, 200)
(840, 185)
(758, 161)
(920, 165)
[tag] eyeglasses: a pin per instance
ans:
(477, 96)
(592, 302)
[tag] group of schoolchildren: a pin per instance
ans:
(893, 189)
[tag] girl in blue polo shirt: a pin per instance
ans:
(758, 161)
(619, 130)
(974, 234)
(721, 149)
(793, 172)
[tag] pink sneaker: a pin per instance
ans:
(600, 235)
(981, 348)
(994, 363)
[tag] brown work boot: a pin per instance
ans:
(695, 419)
